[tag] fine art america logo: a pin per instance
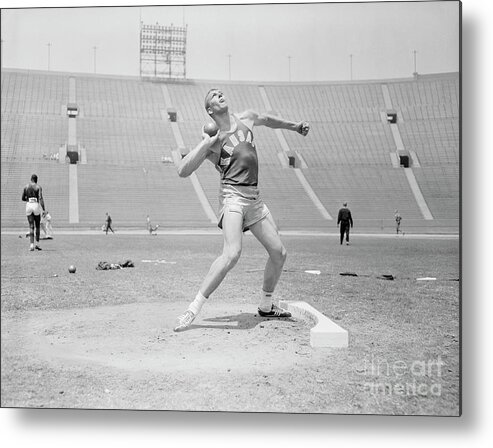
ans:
(404, 378)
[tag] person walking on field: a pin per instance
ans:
(233, 152)
(345, 220)
(398, 219)
(108, 222)
(35, 206)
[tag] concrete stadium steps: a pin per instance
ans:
(53, 178)
(268, 147)
(439, 111)
(125, 141)
(287, 200)
(330, 144)
(191, 132)
(25, 92)
(188, 100)
(28, 137)
(371, 192)
(436, 141)
(123, 125)
(209, 179)
(440, 92)
(129, 194)
(118, 98)
(440, 188)
(330, 103)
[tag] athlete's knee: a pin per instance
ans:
(231, 255)
(284, 254)
(279, 256)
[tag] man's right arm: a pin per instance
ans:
(196, 157)
(24, 195)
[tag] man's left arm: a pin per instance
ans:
(274, 122)
(41, 199)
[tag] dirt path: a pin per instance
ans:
(129, 346)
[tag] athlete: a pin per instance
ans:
(32, 195)
(233, 152)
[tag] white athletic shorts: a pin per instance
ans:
(33, 207)
(244, 200)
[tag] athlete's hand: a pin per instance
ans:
(207, 139)
(303, 128)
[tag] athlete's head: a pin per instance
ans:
(345, 204)
(34, 178)
(215, 101)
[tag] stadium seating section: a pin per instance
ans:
(129, 142)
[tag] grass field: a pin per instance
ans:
(104, 339)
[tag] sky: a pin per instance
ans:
(266, 42)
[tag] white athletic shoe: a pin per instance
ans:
(185, 320)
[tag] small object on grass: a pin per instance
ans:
(350, 274)
(426, 278)
(104, 265)
(71, 269)
(315, 272)
(387, 277)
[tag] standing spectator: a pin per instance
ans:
(46, 225)
(398, 219)
(150, 227)
(108, 224)
(35, 205)
(345, 220)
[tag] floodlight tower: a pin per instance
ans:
(163, 51)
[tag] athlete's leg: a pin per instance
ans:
(266, 232)
(342, 231)
(30, 220)
(232, 223)
(37, 222)
(268, 235)
(233, 235)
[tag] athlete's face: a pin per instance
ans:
(217, 102)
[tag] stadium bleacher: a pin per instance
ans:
(124, 128)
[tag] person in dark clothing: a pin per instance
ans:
(398, 219)
(345, 220)
(108, 222)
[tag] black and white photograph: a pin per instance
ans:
(232, 208)
(236, 209)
